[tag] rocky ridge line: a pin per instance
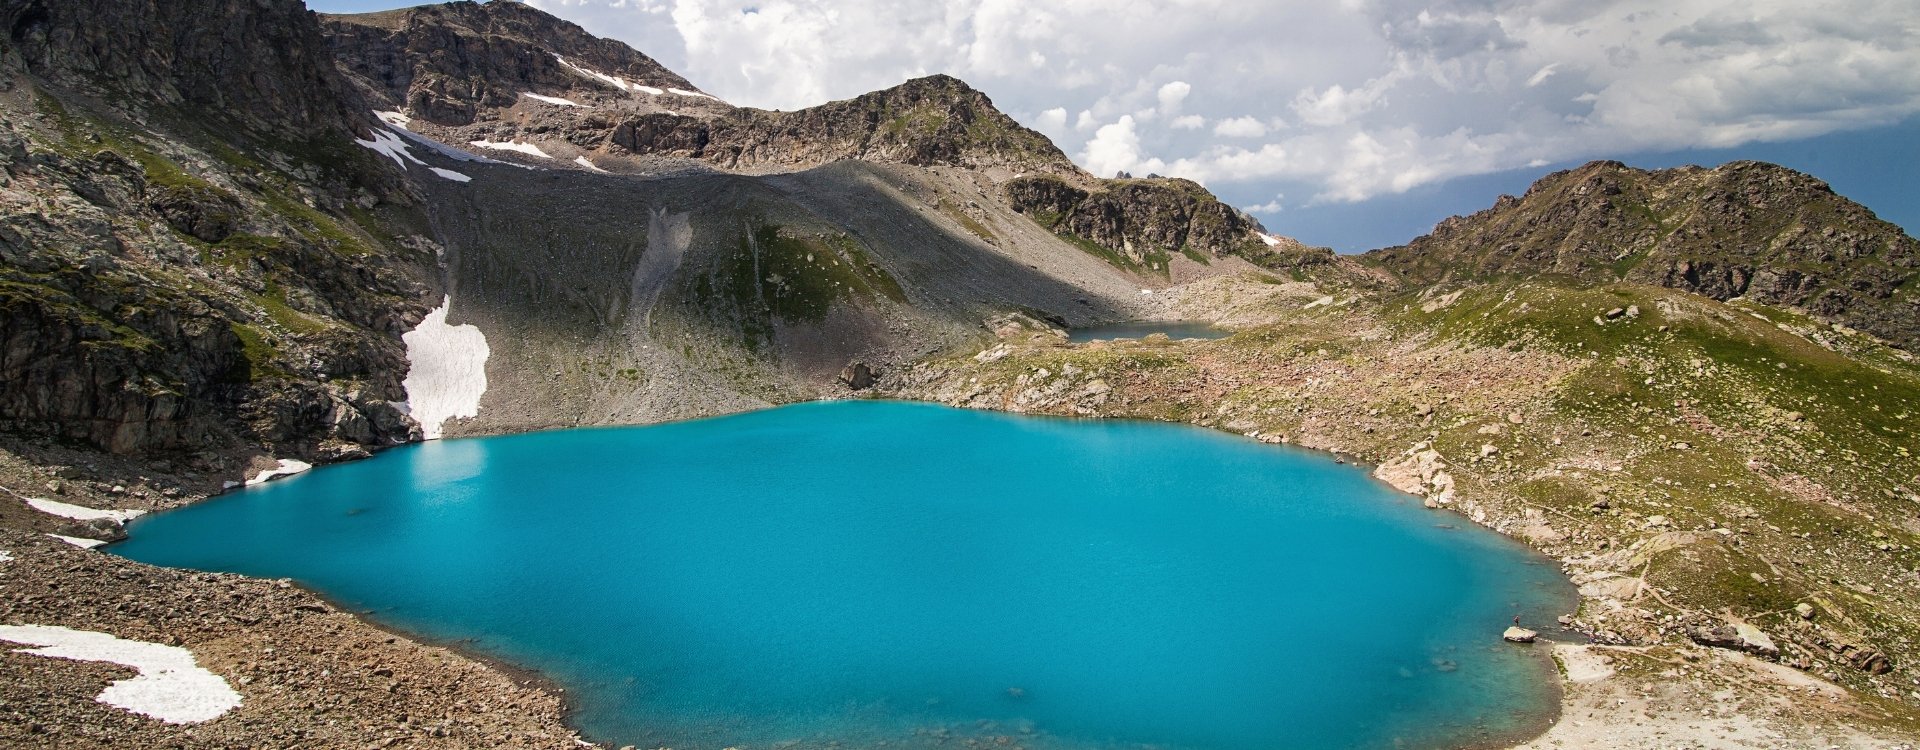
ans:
(1745, 229)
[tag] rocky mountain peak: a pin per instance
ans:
(458, 63)
(1745, 228)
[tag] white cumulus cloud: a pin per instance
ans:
(1240, 127)
(1116, 148)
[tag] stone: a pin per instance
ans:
(1737, 636)
(1615, 313)
(1804, 610)
(1517, 634)
(1870, 661)
(1658, 522)
(858, 376)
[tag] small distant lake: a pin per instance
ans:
(859, 574)
(1140, 329)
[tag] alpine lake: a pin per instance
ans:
(886, 574)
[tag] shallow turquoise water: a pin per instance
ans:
(1141, 329)
(906, 574)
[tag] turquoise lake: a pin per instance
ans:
(907, 575)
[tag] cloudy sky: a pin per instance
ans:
(1353, 123)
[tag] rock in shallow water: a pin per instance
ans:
(1517, 634)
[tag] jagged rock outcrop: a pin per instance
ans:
(1148, 221)
(1748, 229)
(449, 63)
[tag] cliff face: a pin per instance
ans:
(1746, 229)
(258, 65)
(167, 290)
(1146, 222)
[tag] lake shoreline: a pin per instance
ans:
(1530, 719)
(1570, 697)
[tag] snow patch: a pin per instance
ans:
(1271, 240)
(588, 163)
(617, 82)
(5, 556)
(525, 148)
(395, 119)
(77, 541)
(80, 512)
(446, 370)
(553, 100)
(288, 467)
(171, 687)
(684, 92)
(389, 144)
(450, 174)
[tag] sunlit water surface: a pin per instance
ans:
(874, 573)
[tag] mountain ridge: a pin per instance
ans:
(1742, 229)
(507, 72)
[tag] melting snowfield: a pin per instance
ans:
(171, 687)
(288, 467)
(554, 100)
(525, 148)
(79, 512)
(446, 370)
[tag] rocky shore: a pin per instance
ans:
(309, 675)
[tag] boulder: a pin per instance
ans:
(858, 376)
(1736, 636)
(1517, 634)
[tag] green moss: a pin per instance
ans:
(1047, 220)
(83, 136)
(42, 293)
(775, 276)
(258, 357)
(972, 225)
(316, 226)
(1154, 261)
(274, 302)
(921, 121)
